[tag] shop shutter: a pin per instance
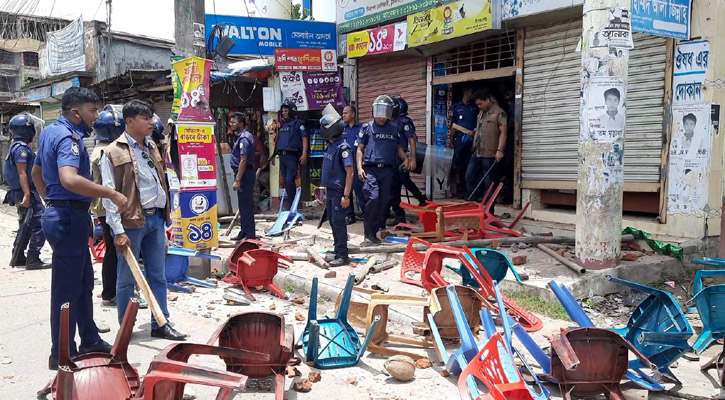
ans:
(397, 76)
(550, 119)
(163, 110)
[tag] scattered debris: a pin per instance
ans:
(299, 300)
(173, 297)
(7, 360)
(401, 367)
(352, 381)
(381, 286)
(445, 373)
(210, 308)
(302, 385)
(630, 256)
(518, 260)
(514, 248)
(596, 299)
(314, 376)
(331, 274)
(423, 363)
(293, 372)
(670, 284)
(299, 316)
(421, 331)
(272, 306)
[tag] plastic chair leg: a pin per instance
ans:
(439, 347)
(313, 343)
(274, 289)
(177, 288)
(249, 292)
(703, 341)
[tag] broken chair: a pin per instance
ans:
(495, 262)
(332, 342)
(717, 362)
(710, 303)
(86, 375)
(258, 268)
(412, 263)
(286, 220)
(177, 267)
(170, 371)
(259, 332)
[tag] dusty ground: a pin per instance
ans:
(25, 341)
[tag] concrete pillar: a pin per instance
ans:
(186, 14)
(601, 139)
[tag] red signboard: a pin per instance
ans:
(305, 60)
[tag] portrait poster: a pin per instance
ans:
(605, 109)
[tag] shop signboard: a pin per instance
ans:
(669, 18)
(194, 216)
(523, 8)
(305, 60)
(313, 90)
(57, 89)
(358, 14)
(692, 60)
(450, 21)
(260, 36)
(38, 93)
(386, 39)
(194, 74)
(196, 156)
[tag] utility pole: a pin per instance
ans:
(605, 62)
(187, 13)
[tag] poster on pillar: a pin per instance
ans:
(195, 219)
(617, 34)
(689, 159)
(692, 60)
(605, 110)
(196, 156)
(194, 74)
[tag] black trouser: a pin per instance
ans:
(109, 269)
(402, 178)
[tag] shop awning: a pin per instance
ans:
(256, 69)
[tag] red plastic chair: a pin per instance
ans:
(170, 371)
(260, 332)
(489, 221)
(241, 247)
(85, 376)
(412, 263)
(431, 277)
(258, 268)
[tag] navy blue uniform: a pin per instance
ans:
(34, 238)
(350, 135)
(289, 146)
(464, 115)
(338, 156)
(245, 146)
(67, 226)
(406, 130)
(379, 161)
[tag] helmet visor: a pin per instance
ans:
(382, 110)
(38, 123)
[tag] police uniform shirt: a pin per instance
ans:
(245, 145)
(351, 133)
(61, 145)
(20, 152)
(406, 130)
(381, 143)
(464, 114)
(290, 135)
(338, 156)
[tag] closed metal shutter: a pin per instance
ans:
(163, 110)
(551, 98)
(396, 76)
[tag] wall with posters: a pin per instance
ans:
(523, 8)
(313, 90)
(450, 21)
(357, 14)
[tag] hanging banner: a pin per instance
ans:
(66, 49)
(357, 14)
(386, 39)
(194, 216)
(194, 74)
(176, 103)
(517, 8)
(313, 90)
(305, 60)
(669, 18)
(196, 157)
(692, 60)
(689, 159)
(450, 21)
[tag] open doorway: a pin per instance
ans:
(503, 90)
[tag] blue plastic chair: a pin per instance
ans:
(332, 342)
(177, 267)
(286, 220)
(468, 348)
(710, 304)
(580, 317)
(495, 262)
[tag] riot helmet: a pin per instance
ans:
(383, 107)
(25, 126)
(110, 124)
(402, 106)
(158, 133)
(291, 106)
(331, 127)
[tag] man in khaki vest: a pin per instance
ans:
(489, 144)
(133, 166)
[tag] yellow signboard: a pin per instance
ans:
(358, 44)
(449, 21)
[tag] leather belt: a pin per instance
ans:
(74, 204)
(150, 211)
(378, 165)
(290, 152)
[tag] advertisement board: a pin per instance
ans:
(196, 156)
(305, 60)
(194, 216)
(450, 21)
(194, 74)
(358, 14)
(385, 39)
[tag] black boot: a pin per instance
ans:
(21, 261)
(339, 262)
(34, 262)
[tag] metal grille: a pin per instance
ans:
(491, 53)
(30, 59)
(7, 57)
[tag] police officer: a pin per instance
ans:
(464, 113)
(242, 163)
(18, 167)
(107, 128)
(377, 152)
(407, 137)
(337, 176)
(62, 175)
(293, 146)
(350, 134)
(158, 134)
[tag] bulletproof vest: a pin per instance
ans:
(11, 170)
(290, 138)
(382, 147)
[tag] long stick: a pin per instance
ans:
(316, 258)
(567, 263)
(231, 224)
(474, 243)
(482, 179)
(144, 286)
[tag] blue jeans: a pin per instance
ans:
(151, 240)
(67, 231)
(477, 168)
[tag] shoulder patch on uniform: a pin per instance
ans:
(406, 127)
(23, 153)
(302, 127)
(345, 154)
(75, 149)
(365, 125)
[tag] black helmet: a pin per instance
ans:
(402, 106)
(289, 104)
(383, 107)
(331, 127)
(158, 133)
(109, 125)
(25, 126)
